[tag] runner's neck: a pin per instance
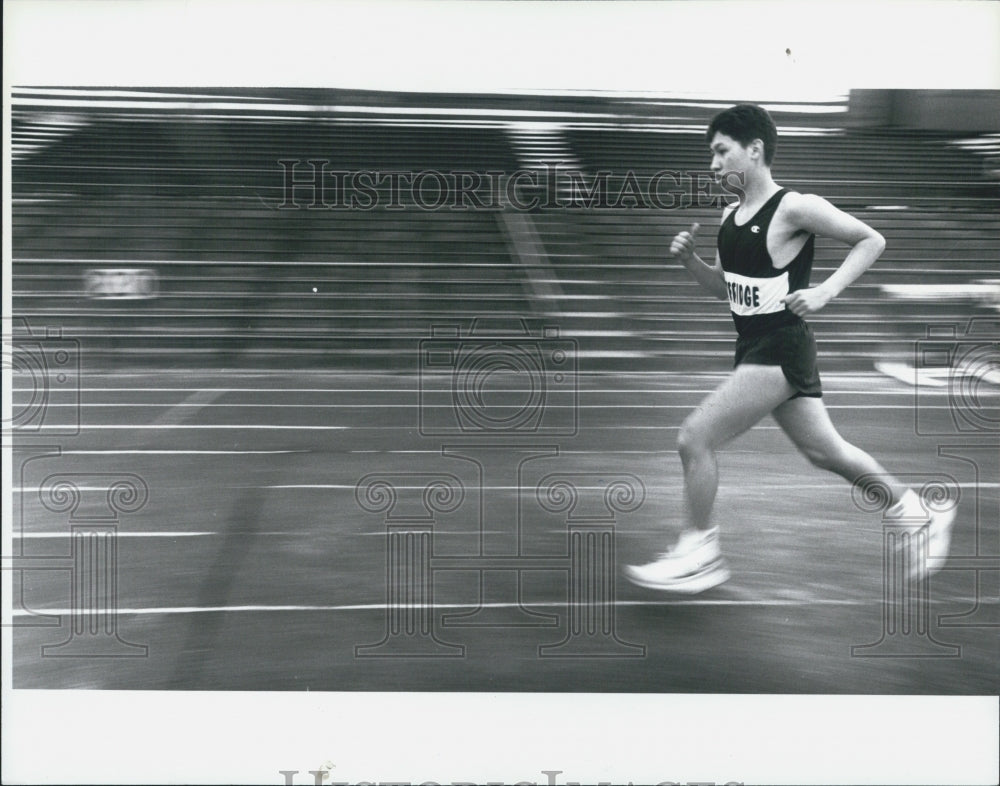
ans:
(756, 193)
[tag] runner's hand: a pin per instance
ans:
(682, 247)
(803, 302)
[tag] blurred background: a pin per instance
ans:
(167, 228)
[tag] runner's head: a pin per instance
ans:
(748, 126)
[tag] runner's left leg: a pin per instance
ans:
(807, 423)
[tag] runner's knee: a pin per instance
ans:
(829, 457)
(693, 439)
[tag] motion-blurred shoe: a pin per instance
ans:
(939, 539)
(938, 525)
(694, 565)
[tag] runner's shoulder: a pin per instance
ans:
(797, 204)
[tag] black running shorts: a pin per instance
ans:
(792, 347)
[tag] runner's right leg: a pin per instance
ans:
(750, 393)
(695, 563)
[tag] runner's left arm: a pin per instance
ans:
(811, 213)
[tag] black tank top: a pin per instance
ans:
(756, 287)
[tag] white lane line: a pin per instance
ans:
(421, 488)
(319, 486)
(649, 487)
(275, 427)
(653, 487)
(652, 377)
(178, 412)
(55, 535)
(583, 391)
(412, 405)
(34, 489)
(471, 532)
(179, 452)
(210, 427)
(160, 610)
(300, 534)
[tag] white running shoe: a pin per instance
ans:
(938, 524)
(939, 539)
(694, 565)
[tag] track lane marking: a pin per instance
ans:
(118, 533)
(652, 487)
(216, 426)
(409, 406)
(409, 390)
(156, 452)
(777, 602)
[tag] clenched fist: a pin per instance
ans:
(803, 302)
(682, 246)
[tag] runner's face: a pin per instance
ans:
(728, 155)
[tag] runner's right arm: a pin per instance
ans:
(709, 276)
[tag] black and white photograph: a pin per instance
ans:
(513, 392)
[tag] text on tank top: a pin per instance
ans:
(756, 288)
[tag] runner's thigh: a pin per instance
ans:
(747, 395)
(807, 423)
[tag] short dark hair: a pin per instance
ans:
(745, 123)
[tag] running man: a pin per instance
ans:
(762, 267)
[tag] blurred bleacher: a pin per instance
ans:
(156, 227)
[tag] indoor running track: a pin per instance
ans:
(259, 559)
